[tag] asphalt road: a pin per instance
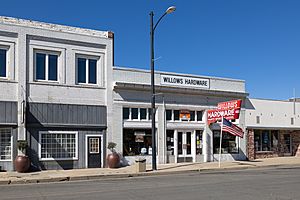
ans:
(258, 184)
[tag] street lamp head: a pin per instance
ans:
(171, 9)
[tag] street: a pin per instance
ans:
(258, 184)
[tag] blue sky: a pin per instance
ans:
(254, 40)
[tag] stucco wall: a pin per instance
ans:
(272, 114)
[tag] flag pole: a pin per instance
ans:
(220, 149)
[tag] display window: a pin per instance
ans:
(137, 142)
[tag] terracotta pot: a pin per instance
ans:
(22, 163)
(113, 160)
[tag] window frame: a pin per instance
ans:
(271, 136)
(57, 132)
(139, 114)
(11, 145)
(123, 108)
(6, 49)
(9, 46)
(129, 140)
(179, 120)
(145, 119)
(236, 140)
(47, 53)
(98, 69)
(196, 115)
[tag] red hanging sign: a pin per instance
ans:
(229, 110)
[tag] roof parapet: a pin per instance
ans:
(53, 27)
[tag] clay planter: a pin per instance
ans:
(22, 163)
(113, 160)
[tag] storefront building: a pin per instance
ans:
(54, 84)
(61, 93)
(183, 134)
(273, 128)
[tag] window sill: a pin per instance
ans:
(58, 159)
(6, 160)
(46, 81)
(136, 120)
(236, 153)
(88, 86)
(65, 85)
(2, 79)
(264, 152)
(195, 122)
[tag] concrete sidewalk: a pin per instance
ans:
(125, 172)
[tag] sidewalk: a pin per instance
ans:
(125, 172)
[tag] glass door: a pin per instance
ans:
(287, 145)
(184, 144)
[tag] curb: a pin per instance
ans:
(133, 175)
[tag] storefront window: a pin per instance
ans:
(265, 140)
(58, 145)
(170, 142)
(184, 115)
(134, 113)
(137, 142)
(257, 140)
(199, 142)
(169, 115)
(229, 143)
(192, 113)
(143, 113)
(125, 113)
(5, 144)
(176, 115)
(180, 144)
(199, 115)
(150, 113)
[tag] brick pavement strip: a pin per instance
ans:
(7, 178)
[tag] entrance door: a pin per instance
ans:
(287, 144)
(94, 151)
(184, 146)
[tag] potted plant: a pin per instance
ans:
(113, 159)
(22, 162)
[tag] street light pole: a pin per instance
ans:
(152, 29)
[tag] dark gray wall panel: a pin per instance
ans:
(42, 114)
(33, 135)
(8, 112)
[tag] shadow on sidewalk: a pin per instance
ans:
(178, 166)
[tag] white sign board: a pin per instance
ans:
(183, 81)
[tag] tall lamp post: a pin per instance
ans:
(152, 29)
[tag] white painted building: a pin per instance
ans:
(178, 140)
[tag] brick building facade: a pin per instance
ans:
(272, 132)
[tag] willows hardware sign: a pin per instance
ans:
(183, 81)
(229, 110)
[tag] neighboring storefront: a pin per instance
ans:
(64, 136)
(183, 135)
(55, 85)
(273, 128)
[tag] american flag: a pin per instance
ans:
(232, 128)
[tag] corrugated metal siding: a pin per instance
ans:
(43, 114)
(8, 112)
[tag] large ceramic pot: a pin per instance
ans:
(22, 163)
(113, 160)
